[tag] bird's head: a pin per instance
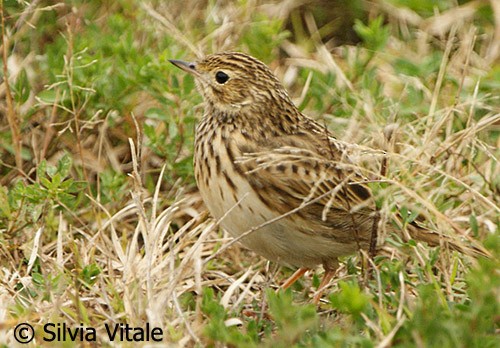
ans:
(232, 82)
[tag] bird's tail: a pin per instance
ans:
(432, 238)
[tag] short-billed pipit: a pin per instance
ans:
(260, 162)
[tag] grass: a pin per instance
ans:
(100, 220)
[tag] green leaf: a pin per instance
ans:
(46, 183)
(172, 129)
(89, 274)
(41, 169)
(156, 114)
(56, 180)
(474, 225)
(51, 170)
(64, 165)
(48, 96)
(38, 278)
(149, 132)
(374, 35)
(350, 299)
(21, 87)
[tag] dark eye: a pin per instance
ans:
(221, 77)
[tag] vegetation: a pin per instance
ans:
(100, 221)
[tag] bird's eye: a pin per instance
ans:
(221, 77)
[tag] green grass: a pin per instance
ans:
(100, 220)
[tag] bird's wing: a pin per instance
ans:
(307, 177)
(328, 197)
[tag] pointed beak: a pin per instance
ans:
(186, 66)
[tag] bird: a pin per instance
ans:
(276, 179)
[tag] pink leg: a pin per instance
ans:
(298, 273)
(329, 273)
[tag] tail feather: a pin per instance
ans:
(433, 238)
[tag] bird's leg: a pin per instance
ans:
(329, 273)
(298, 273)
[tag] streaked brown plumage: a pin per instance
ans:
(257, 157)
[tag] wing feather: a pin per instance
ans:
(331, 197)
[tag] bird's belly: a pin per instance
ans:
(235, 204)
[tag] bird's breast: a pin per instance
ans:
(235, 198)
(230, 198)
(223, 183)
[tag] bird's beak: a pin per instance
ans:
(186, 66)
